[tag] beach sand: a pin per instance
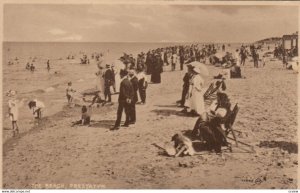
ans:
(56, 155)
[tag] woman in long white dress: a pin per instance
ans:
(196, 93)
(118, 65)
(100, 79)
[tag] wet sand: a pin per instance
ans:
(54, 154)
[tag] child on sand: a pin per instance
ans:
(69, 93)
(85, 117)
(37, 108)
(13, 111)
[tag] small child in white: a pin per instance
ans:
(69, 93)
(13, 110)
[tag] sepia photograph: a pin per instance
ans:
(150, 95)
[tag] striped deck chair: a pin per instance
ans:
(210, 94)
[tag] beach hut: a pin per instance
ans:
(290, 41)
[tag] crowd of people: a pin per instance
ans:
(127, 77)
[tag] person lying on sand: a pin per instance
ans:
(235, 71)
(85, 117)
(97, 99)
(183, 145)
(37, 108)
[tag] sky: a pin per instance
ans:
(146, 23)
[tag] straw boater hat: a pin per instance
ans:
(189, 66)
(197, 70)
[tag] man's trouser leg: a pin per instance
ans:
(119, 114)
(127, 113)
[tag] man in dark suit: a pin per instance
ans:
(186, 85)
(135, 84)
(125, 99)
(108, 82)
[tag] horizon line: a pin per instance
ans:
(191, 42)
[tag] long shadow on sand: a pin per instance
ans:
(287, 146)
(107, 124)
(169, 112)
(168, 106)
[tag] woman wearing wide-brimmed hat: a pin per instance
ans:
(196, 93)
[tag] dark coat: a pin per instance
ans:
(109, 77)
(186, 79)
(135, 84)
(126, 90)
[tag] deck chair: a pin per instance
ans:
(211, 90)
(230, 121)
(208, 91)
(229, 128)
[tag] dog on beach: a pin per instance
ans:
(183, 145)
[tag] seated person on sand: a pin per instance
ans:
(235, 71)
(210, 125)
(37, 108)
(85, 117)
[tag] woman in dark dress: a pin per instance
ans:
(157, 69)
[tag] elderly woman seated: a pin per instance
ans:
(210, 126)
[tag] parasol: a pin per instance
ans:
(203, 69)
(119, 64)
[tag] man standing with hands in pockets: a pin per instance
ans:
(125, 100)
